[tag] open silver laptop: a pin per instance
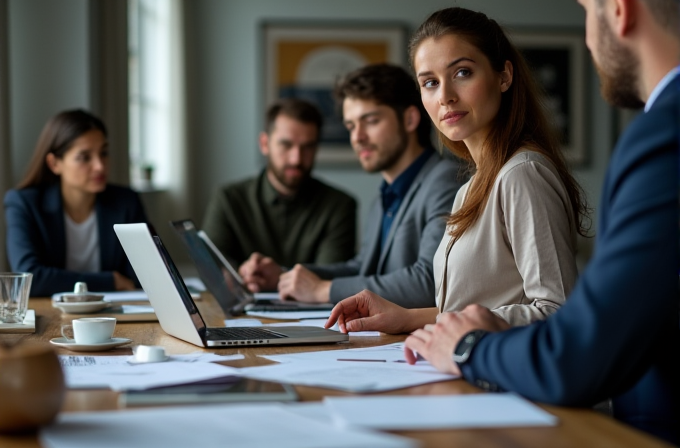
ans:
(177, 313)
(224, 283)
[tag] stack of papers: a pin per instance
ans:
(116, 373)
(320, 323)
(371, 369)
(208, 426)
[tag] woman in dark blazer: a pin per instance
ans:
(60, 217)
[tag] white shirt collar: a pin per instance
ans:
(660, 86)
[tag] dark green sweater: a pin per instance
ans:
(318, 225)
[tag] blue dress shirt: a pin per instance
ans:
(393, 194)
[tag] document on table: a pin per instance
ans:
(353, 376)
(207, 425)
(290, 315)
(125, 376)
(382, 353)
(81, 361)
(437, 412)
(321, 324)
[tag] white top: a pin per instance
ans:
(82, 244)
(660, 86)
(518, 259)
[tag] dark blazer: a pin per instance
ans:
(36, 238)
(618, 335)
(402, 271)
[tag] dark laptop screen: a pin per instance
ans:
(221, 284)
(196, 318)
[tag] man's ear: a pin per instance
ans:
(264, 143)
(506, 76)
(624, 15)
(411, 118)
(53, 163)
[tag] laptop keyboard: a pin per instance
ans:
(243, 334)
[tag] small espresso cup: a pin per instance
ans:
(90, 330)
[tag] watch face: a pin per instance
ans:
(465, 344)
(462, 351)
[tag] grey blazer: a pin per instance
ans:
(402, 272)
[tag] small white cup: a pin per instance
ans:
(149, 353)
(90, 330)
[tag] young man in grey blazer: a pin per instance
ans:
(390, 134)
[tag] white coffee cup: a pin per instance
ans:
(149, 353)
(90, 330)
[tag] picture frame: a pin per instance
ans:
(305, 59)
(558, 59)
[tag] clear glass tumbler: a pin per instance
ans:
(14, 291)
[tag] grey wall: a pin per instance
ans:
(225, 95)
(49, 68)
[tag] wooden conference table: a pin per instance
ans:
(582, 428)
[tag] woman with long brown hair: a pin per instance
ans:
(511, 237)
(60, 217)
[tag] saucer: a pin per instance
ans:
(112, 343)
(81, 307)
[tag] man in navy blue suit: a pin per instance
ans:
(618, 335)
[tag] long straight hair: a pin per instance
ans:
(521, 121)
(56, 138)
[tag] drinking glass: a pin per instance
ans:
(14, 291)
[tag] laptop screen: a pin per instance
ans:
(196, 317)
(217, 277)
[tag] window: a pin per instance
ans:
(156, 93)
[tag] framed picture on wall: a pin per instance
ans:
(305, 59)
(558, 60)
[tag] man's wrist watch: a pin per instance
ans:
(466, 344)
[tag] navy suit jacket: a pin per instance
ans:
(618, 335)
(36, 237)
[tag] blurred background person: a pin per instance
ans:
(60, 217)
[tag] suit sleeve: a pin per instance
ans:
(339, 241)
(25, 254)
(603, 339)
(411, 286)
(540, 227)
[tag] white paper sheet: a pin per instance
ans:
(207, 426)
(86, 361)
(233, 323)
(437, 412)
(266, 296)
(125, 296)
(382, 353)
(321, 323)
(136, 309)
(348, 376)
(126, 376)
(290, 315)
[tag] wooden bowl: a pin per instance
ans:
(31, 387)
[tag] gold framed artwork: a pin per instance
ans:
(558, 59)
(305, 60)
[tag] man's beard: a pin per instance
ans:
(618, 71)
(291, 183)
(391, 156)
